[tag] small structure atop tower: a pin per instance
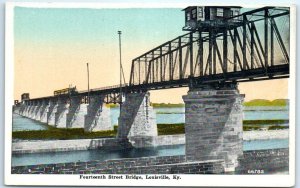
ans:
(211, 17)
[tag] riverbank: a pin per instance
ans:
(40, 146)
(62, 134)
(36, 146)
(266, 135)
(163, 129)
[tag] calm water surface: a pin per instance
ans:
(88, 155)
(163, 115)
(22, 123)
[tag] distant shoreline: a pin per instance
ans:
(163, 129)
(252, 103)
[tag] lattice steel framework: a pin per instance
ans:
(252, 48)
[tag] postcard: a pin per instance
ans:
(183, 94)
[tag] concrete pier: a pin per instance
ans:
(44, 111)
(61, 113)
(51, 112)
(20, 110)
(213, 128)
(98, 115)
(76, 113)
(37, 113)
(17, 109)
(137, 119)
(31, 111)
(25, 112)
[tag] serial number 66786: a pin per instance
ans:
(256, 171)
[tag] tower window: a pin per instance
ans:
(235, 13)
(200, 12)
(188, 16)
(194, 13)
(220, 12)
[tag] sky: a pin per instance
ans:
(53, 45)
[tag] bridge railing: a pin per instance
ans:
(105, 88)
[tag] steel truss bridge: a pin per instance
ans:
(255, 47)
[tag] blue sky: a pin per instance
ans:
(97, 25)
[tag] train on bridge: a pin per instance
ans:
(66, 91)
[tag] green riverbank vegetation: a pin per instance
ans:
(61, 134)
(163, 129)
(155, 105)
(264, 102)
(255, 102)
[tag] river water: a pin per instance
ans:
(164, 116)
(89, 155)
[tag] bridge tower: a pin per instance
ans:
(222, 47)
(213, 112)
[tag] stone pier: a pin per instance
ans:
(44, 111)
(21, 109)
(61, 113)
(31, 112)
(51, 112)
(77, 111)
(137, 121)
(213, 125)
(26, 111)
(37, 112)
(98, 115)
(17, 109)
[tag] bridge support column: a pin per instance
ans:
(137, 121)
(51, 112)
(17, 109)
(61, 113)
(77, 111)
(32, 110)
(98, 115)
(21, 109)
(37, 112)
(44, 111)
(214, 125)
(26, 109)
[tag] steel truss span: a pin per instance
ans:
(252, 46)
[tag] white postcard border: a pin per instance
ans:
(187, 180)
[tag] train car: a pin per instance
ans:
(65, 91)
